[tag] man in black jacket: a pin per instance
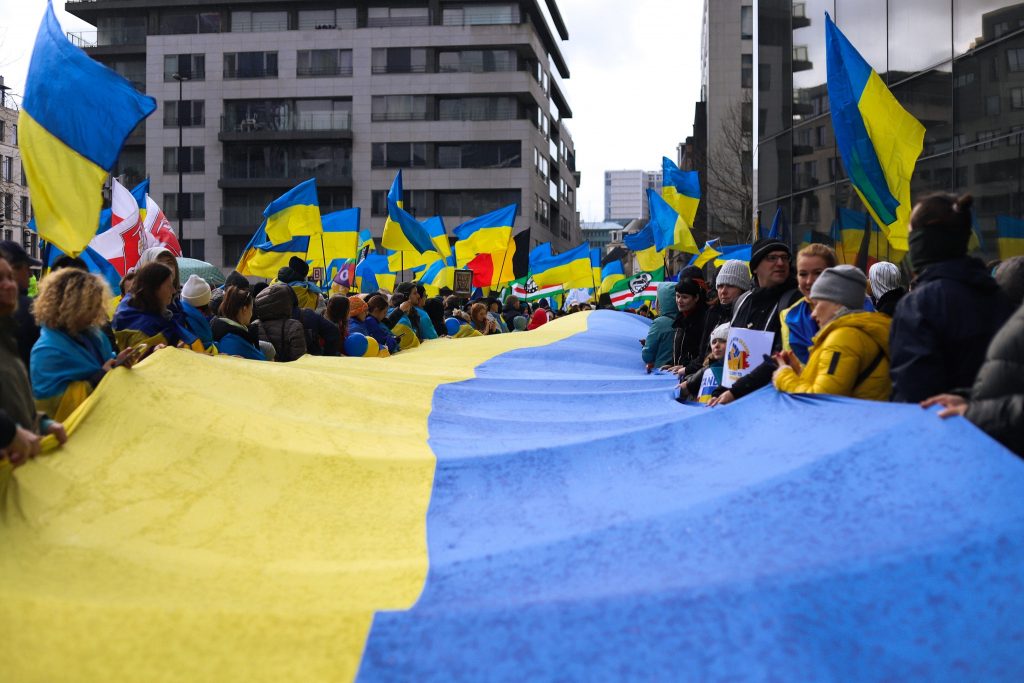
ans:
(758, 309)
(942, 328)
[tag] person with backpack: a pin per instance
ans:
(275, 324)
(850, 353)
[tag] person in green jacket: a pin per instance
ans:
(657, 351)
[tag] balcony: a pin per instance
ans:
(239, 220)
(286, 126)
(323, 71)
(284, 173)
(134, 37)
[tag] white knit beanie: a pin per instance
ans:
(735, 273)
(884, 277)
(196, 291)
(721, 332)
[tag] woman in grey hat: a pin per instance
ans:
(850, 353)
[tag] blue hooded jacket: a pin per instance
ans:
(657, 349)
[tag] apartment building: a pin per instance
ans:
(15, 207)
(465, 97)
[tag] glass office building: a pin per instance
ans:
(956, 65)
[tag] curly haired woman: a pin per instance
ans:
(72, 354)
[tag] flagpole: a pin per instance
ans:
(504, 257)
(323, 253)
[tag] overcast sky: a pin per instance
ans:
(635, 77)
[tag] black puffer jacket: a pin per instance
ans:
(942, 329)
(688, 344)
(759, 310)
(997, 399)
(274, 308)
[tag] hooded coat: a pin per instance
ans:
(657, 350)
(997, 399)
(275, 325)
(942, 329)
(689, 342)
(849, 357)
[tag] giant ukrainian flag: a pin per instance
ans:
(402, 232)
(559, 269)
(670, 229)
(485, 234)
(681, 189)
(293, 214)
(74, 119)
(877, 138)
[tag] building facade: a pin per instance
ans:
(15, 207)
(956, 65)
(464, 97)
(625, 194)
(723, 126)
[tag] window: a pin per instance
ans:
(3, 131)
(26, 209)
(259, 21)
(479, 154)
(121, 31)
(480, 15)
(398, 108)
(189, 22)
(233, 246)
(1015, 58)
(397, 16)
(416, 202)
(540, 163)
(1016, 99)
(194, 249)
(992, 105)
(193, 66)
(399, 60)
(473, 202)
(746, 22)
(8, 207)
(189, 112)
(746, 71)
(193, 206)
(14, 135)
(541, 210)
(323, 63)
(477, 61)
(250, 65)
(399, 155)
(8, 168)
(493, 108)
(192, 160)
(286, 115)
(327, 18)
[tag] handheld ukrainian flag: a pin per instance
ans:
(670, 229)
(593, 278)
(372, 274)
(295, 213)
(437, 275)
(566, 267)
(848, 238)
(709, 252)
(778, 229)
(877, 138)
(1010, 233)
(401, 260)
(681, 189)
(611, 274)
(338, 243)
(648, 256)
(262, 258)
(74, 119)
(484, 234)
(402, 232)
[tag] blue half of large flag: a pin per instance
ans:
(74, 120)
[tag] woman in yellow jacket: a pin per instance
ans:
(850, 353)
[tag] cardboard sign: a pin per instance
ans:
(316, 274)
(744, 351)
(463, 282)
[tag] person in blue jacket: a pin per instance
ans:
(195, 309)
(144, 314)
(365, 318)
(231, 329)
(657, 348)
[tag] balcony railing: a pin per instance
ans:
(287, 122)
(386, 69)
(397, 22)
(241, 215)
(321, 71)
(284, 170)
(108, 37)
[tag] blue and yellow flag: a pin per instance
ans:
(848, 239)
(709, 252)
(439, 274)
(295, 213)
(485, 234)
(1010, 233)
(611, 273)
(402, 232)
(642, 244)
(591, 280)
(402, 260)
(566, 267)
(877, 138)
(372, 274)
(681, 189)
(262, 258)
(74, 119)
(670, 229)
(779, 228)
(336, 246)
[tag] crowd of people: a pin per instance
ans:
(58, 346)
(949, 331)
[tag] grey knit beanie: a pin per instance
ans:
(734, 273)
(844, 285)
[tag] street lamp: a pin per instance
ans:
(181, 78)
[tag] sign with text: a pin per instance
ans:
(744, 351)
